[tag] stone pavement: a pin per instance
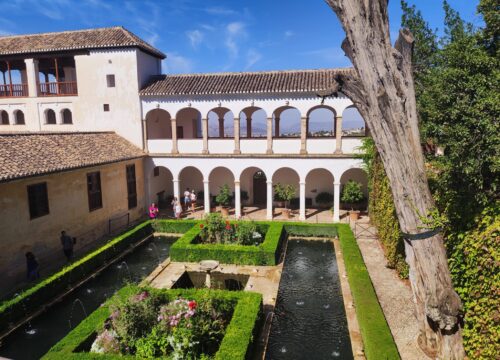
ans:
(394, 294)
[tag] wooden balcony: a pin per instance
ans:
(66, 88)
(14, 90)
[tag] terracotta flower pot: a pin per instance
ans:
(287, 213)
(224, 211)
(354, 215)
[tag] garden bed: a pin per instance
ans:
(189, 248)
(242, 322)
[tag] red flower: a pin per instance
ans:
(201, 226)
(192, 305)
(228, 227)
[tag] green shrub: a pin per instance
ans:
(311, 230)
(475, 269)
(377, 337)
(284, 192)
(13, 310)
(224, 196)
(352, 193)
(173, 226)
(246, 309)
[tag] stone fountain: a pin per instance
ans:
(208, 266)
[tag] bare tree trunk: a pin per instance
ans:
(381, 86)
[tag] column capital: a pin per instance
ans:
(302, 183)
(269, 182)
(34, 61)
(206, 181)
(338, 117)
(173, 119)
(175, 180)
(236, 119)
(236, 182)
(336, 183)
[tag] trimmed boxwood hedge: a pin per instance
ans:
(14, 309)
(311, 230)
(237, 343)
(377, 338)
(266, 253)
(173, 226)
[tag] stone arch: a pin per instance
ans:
(286, 122)
(161, 187)
(19, 117)
(158, 124)
(287, 176)
(50, 117)
(253, 182)
(66, 116)
(4, 117)
(356, 174)
(188, 123)
(220, 123)
(321, 121)
(353, 123)
(218, 177)
(253, 122)
(319, 180)
(192, 178)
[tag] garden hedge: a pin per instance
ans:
(237, 343)
(267, 253)
(173, 226)
(14, 309)
(377, 338)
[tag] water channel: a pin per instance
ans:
(35, 338)
(309, 319)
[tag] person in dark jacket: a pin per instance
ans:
(32, 266)
(67, 243)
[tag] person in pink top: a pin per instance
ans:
(153, 211)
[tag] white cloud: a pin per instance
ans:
(235, 31)
(195, 37)
(175, 63)
(288, 34)
(236, 28)
(253, 56)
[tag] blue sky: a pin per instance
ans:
(216, 35)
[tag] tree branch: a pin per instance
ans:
(404, 46)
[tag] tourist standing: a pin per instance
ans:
(67, 243)
(192, 197)
(153, 211)
(187, 199)
(174, 204)
(178, 210)
(33, 272)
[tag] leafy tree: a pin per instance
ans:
(490, 10)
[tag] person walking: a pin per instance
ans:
(32, 266)
(174, 204)
(187, 199)
(67, 243)
(192, 197)
(153, 211)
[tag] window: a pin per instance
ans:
(67, 117)
(38, 200)
(131, 187)
(110, 79)
(4, 118)
(94, 190)
(50, 117)
(19, 116)
(106, 107)
(156, 171)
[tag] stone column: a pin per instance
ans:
(175, 149)
(237, 199)
(338, 135)
(237, 136)
(249, 127)
(276, 126)
(177, 190)
(269, 135)
(221, 127)
(269, 213)
(204, 131)
(32, 76)
(145, 135)
(302, 196)
(336, 202)
(303, 135)
(206, 196)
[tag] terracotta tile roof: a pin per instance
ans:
(242, 82)
(113, 37)
(31, 154)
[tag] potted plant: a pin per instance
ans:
(224, 199)
(324, 200)
(285, 193)
(352, 195)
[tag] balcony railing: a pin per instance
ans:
(58, 88)
(14, 90)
